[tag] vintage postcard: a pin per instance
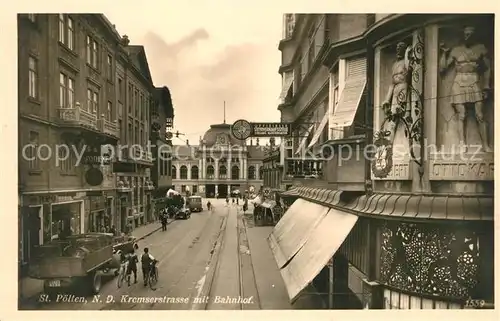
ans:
(291, 161)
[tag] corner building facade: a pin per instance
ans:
(407, 229)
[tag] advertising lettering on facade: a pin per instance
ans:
(242, 129)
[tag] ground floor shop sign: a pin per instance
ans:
(242, 129)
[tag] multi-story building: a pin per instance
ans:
(162, 121)
(134, 162)
(406, 228)
(219, 165)
(73, 75)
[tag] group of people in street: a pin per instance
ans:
(130, 260)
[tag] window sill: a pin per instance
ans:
(68, 49)
(93, 68)
(68, 174)
(34, 100)
(35, 172)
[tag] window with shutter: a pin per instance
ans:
(350, 97)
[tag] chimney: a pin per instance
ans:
(257, 142)
(125, 40)
(251, 142)
(187, 142)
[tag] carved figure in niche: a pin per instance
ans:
(471, 85)
(398, 89)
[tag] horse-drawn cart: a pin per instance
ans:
(77, 261)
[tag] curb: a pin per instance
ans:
(152, 232)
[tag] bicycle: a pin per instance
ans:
(122, 274)
(153, 275)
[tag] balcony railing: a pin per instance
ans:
(303, 168)
(108, 127)
(77, 116)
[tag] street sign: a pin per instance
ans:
(242, 129)
(271, 129)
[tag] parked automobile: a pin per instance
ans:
(195, 203)
(183, 213)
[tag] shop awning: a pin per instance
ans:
(426, 207)
(319, 130)
(321, 245)
(290, 192)
(268, 204)
(349, 101)
(304, 139)
(294, 228)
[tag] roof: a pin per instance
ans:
(256, 152)
(211, 135)
(138, 57)
(183, 151)
(164, 98)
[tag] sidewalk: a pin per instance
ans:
(29, 287)
(270, 286)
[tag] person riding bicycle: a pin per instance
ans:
(146, 260)
(209, 205)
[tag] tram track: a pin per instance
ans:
(192, 239)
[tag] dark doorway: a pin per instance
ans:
(222, 190)
(210, 190)
(123, 216)
(31, 224)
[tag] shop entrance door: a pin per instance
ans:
(31, 225)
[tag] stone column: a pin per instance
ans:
(216, 189)
(201, 170)
(189, 166)
(245, 169)
(257, 176)
(229, 168)
(178, 171)
(216, 169)
(228, 190)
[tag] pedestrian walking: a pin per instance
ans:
(132, 265)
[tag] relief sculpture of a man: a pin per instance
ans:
(398, 89)
(471, 84)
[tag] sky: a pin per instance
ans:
(206, 59)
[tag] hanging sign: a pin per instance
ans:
(242, 129)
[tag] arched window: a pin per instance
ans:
(210, 171)
(222, 171)
(174, 172)
(194, 172)
(184, 172)
(260, 172)
(235, 172)
(251, 172)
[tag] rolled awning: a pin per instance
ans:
(286, 87)
(294, 228)
(304, 139)
(322, 243)
(319, 130)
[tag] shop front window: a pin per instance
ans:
(65, 219)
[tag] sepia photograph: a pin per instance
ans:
(295, 161)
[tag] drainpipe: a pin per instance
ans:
(369, 109)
